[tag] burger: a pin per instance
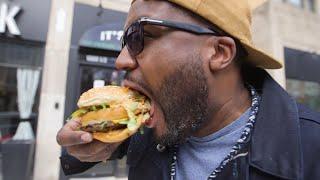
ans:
(112, 113)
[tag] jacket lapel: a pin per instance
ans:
(275, 146)
(144, 160)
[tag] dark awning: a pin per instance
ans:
(105, 37)
(302, 65)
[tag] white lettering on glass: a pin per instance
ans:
(7, 19)
(108, 35)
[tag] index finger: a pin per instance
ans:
(69, 134)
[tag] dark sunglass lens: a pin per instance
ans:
(135, 39)
(122, 41)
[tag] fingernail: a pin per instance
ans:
(86, 138)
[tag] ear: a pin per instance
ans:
(219, 51)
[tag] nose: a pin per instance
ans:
(125, 61)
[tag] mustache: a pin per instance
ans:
(130, 77)
(127, 76)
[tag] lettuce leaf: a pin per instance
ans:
(141, 130)
(79, 113)
(124, 122)
(132, 106)
(93, 108)
(146, 116)
(132, 124)
(105, 106)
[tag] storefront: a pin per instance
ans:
(23, 33)
(20, 64)
(95, 44)
(303, 77)
(22, 40)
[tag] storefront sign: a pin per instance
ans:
(109, 35)
(7, 19)
(106, 37)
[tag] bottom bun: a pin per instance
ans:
(116, 135)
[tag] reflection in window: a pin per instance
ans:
(296, 2)
(310, 5)
(305, 92)
(8, 90)
(9, 113)
(99, 76)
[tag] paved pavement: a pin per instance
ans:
(96, 178)
(102, 178)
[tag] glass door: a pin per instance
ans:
(92, 76)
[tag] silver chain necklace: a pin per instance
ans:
(244, 138)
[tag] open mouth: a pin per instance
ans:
(139, 89)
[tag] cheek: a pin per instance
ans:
(161, 126)
(154, 67)
(159, 58)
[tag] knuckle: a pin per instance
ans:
(59, 137)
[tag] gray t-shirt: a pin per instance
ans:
(198, 157)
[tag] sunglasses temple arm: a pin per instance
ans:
(189, 28)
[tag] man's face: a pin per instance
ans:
(169, 71)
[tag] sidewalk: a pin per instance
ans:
(102, 178)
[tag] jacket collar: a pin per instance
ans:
(275, 146)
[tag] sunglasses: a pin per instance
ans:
(133, 37)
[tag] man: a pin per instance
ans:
(216, 114)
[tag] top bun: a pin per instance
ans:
(110, 95)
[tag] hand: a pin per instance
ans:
(81, 145)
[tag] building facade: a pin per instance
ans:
(70, 46)
(82, 45)
(289, 30)
(21, 48)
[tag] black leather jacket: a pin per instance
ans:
(285, 144)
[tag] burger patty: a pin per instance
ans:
(105, 126)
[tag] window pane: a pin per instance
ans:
(9, 113)
(296, 2)
(106, 76)
(305, 92)
(8, 89)
(18, 53)
(311, 5)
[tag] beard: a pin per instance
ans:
(183, 98)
